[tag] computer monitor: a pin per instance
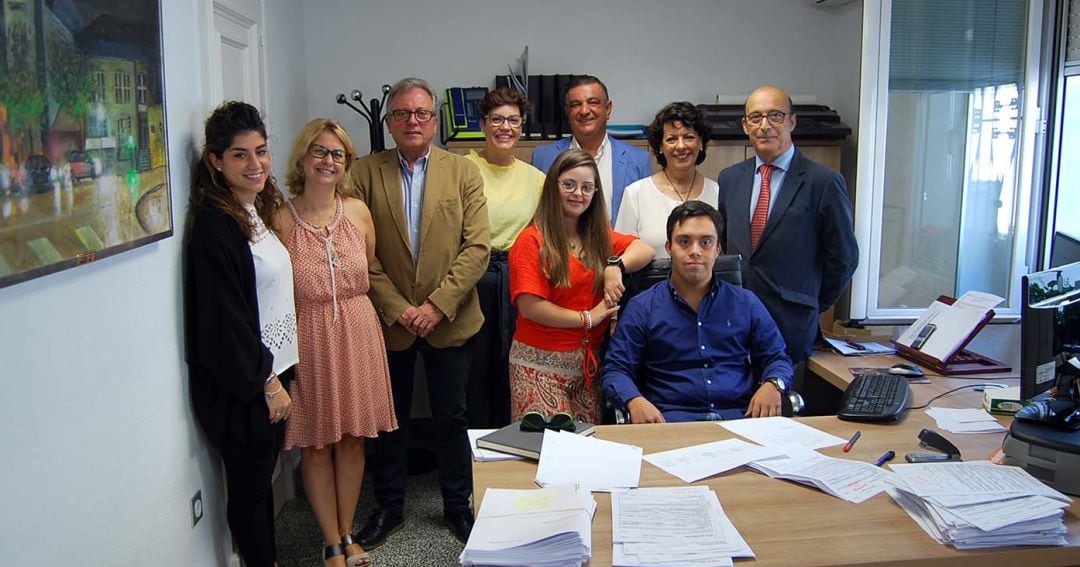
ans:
(1049, 327)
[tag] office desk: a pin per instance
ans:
(791, 524)
(833, 368)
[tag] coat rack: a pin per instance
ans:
(372, 113)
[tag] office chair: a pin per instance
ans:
(728, 268)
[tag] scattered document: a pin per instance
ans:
(771, 431)
(548, 527)
(673, 526)
(852, 348)
(971, 505)
(694, 463)
(942, 328)
(482, 455)
(854, 481)
(967, 420)
(594, 464)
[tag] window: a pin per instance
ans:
(945, 152)
(98, 86)
(1063, 223)
(140, 88)
(122, 87)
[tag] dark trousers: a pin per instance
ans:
(447, 372)
(249, 468)
(489, 380)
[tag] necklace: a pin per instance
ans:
(675, 188)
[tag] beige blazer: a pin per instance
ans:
(454, 245)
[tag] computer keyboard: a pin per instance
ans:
(874, 396)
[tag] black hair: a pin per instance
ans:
(690, 209)
(691, 117)
(579, 80)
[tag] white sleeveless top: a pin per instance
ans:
(274, 288)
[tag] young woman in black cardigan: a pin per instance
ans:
(240, 319)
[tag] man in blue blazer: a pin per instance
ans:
(589, 109)
(790, 219)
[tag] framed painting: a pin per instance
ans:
(83, 153)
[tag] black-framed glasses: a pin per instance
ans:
(319, 152)
(422, 115)
(497, 120)
(535, 421)
(569, 186)
(774, 117)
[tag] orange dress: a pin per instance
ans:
(342, 384)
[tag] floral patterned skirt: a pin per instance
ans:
(550, 382)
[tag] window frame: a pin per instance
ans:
(870, 169)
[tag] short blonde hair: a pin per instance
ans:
(294, 177)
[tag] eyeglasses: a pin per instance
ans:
(318, 152)
(422, 115)
(569, 186)
(535, 422)
(497, 120)
(774, 117)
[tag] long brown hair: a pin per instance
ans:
(208, 185)
(593, 225)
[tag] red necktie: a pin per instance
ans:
(761, 210)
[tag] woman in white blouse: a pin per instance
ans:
(240, 320)
(677, 136)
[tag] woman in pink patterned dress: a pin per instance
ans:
(342, 390)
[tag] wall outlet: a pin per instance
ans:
(196, 508)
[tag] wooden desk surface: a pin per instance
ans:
(791, 524)
(834, 369)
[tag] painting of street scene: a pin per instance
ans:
(83, 158)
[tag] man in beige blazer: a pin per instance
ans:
(431, 247)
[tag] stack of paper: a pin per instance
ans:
(541, 528)
(852, 348)
(979, 504)
(673, 526)
(968, 420)
(593, 464)
(854, 481)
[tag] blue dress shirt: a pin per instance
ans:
(694, 366)
(412, 193)
(776, 181)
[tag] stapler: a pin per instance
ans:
(930, 439)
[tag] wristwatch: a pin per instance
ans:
(617, 261)
(778, 383)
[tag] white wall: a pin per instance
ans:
(100, 451)
(287, 105)
(648, 53)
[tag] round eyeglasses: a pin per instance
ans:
(569, 186)
(319, 152)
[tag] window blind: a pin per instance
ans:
(1072, 41)
(957, 45)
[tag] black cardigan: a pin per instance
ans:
(227, 361)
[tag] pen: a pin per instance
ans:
(855, 346)
(851, 443)
(888, 456)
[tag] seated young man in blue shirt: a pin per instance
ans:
(686, 348)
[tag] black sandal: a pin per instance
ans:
(361, 559)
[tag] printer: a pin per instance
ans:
(1049, 454)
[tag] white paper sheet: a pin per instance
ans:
(770, 431)
(854, 481)
(694, 463)
(595, 464)
(967, 420)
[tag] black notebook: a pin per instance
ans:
(511, 439)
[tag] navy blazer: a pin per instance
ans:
(807, 252)
(629, 163)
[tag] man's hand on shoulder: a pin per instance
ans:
(642, 411)
(765, 403)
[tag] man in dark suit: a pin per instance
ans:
(589, 109)
(790, 219)
(431, 247)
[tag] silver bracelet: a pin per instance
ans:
(270, 395)
(588, 320)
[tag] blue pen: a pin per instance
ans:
(888, 456)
